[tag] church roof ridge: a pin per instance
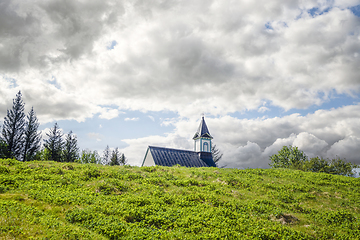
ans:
(175, 149)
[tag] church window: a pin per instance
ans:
(206, 147)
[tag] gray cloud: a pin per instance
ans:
(238, 53)
(40, 34)
(346, 148)
(188, 57)
(249, 143)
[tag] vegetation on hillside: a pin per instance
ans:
(52, 200)
(292, 157)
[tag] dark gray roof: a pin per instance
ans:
(170, 157)
(202, 131)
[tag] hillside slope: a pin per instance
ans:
(74, 201)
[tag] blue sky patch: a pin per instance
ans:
(316, 11)
(54, 82)
(356, 10)
(268, 26)
(13, 83)
(111, 45)
(336, 101)
(95, 133)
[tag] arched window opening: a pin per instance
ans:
(206, 147)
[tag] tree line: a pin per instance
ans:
(294, 158)
(21, 139)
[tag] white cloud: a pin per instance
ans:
(311, 144)
(108, 113)
(131, 119)
(96, 136)
(347, 148)
(216, 57)
(166, 63)
(249, 143)
(263, 109)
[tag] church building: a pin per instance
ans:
(200, 157)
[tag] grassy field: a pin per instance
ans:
(50, 200)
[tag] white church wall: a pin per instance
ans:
(149, 160)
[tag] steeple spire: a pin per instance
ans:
(202, 138)
(203, 130)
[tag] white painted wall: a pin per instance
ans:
(197, 145)
(149, 160)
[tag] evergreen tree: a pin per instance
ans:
(32, 139)
(13, 129)
(115, 157)
(95, 157)
(106, 156)
(87, 156)
(122, 159)
(71, 150)
(3, 149)
(54, 144)
(216, 154)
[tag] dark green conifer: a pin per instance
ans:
(106, 156)
(216, 154)
(122, 159)
(115, 156)
(32, 138)
(13, 129)
(3, 149)
(54, 144)
(71, 150)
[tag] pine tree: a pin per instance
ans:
(122, 159)
(87, 156)
(3, 149)
(13, 129)
(32, 139)
(71, 150)
(115, 157)
(216, 154)
(55, 143)
(106, 156)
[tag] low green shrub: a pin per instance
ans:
(102, 202)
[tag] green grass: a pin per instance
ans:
(49, 200)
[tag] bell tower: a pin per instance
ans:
(202, 143)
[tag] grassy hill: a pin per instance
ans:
(50, 200)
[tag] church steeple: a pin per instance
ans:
(202, 138)
(202, 131)
(202, 144)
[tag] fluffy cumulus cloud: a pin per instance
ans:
(73, 59)
(328, 134)
(292, 53)
(249, 143)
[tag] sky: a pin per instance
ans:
(130, 74)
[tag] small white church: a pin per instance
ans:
(200, 157)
